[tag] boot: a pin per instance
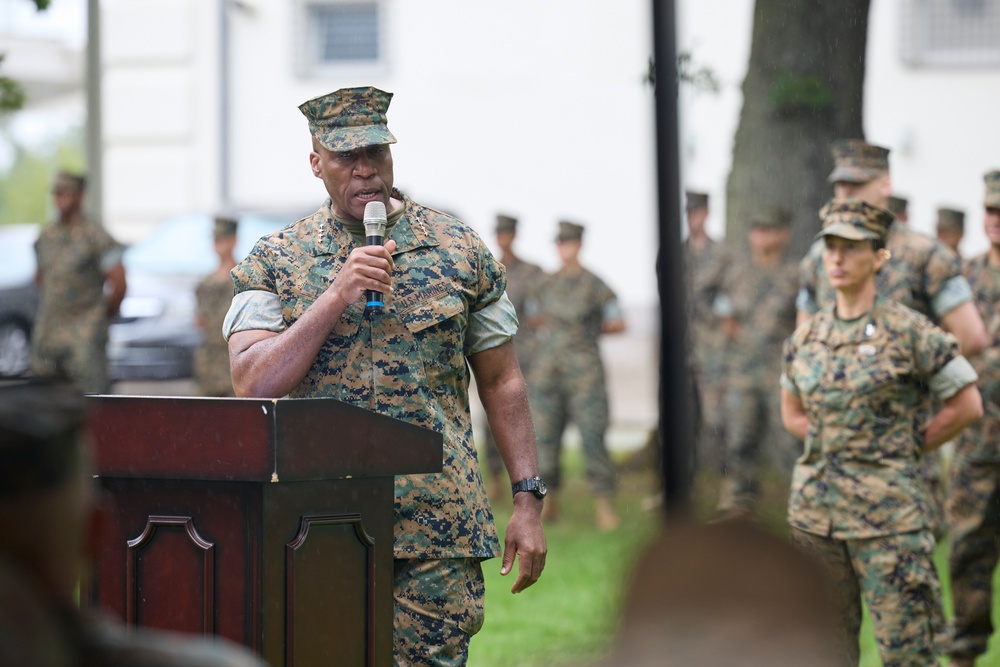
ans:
(604, 513)
(550, 509)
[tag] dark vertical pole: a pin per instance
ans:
(676, 404)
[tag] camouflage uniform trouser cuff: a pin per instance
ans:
(439, 605)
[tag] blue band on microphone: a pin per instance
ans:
(374, 303)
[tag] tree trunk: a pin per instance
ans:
(803, 89)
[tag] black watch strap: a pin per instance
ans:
(533, 484)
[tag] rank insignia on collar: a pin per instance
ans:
(869, 328)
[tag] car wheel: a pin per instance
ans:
(15, 349)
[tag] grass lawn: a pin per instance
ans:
(570, 616)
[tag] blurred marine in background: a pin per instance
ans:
(522, 278)
(81, 281)
(756, 307)
(974, 495)
(213, 297)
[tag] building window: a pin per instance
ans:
(951, 32)
(339, 33)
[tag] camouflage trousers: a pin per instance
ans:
(754, 433)
(896, 575)
(974, 522)
(83, 361)
(557, 400)
(439, 605)
(711, 442)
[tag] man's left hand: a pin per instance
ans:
(525, 541)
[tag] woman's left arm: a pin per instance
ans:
(965, 407)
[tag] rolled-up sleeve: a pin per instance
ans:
(254, 310)
(955, 376)
(491, 326)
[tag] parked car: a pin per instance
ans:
(154, 337)
(18, 297)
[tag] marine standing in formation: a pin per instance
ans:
(299, 326)
(522, 277)
(81, 280)
(974, 493)
(921, 273)
(706, 261)
(213, 296)
(573, 308)
(854, 387)
(756, 307)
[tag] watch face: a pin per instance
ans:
(541, 489)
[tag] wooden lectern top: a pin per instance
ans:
(254, 439)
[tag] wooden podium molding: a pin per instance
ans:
(268, 522)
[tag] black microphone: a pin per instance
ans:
(375, 222)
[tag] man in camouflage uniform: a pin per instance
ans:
(573, 308)
(950, 227)
(212, 298)
(82, 283)
(299, 325)
(48, 529)
(974, 499)
(522, 277)
(921, 273)
(854, 386)
(757, 309)
(706, 261)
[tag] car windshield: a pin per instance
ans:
(183, 243)
(17, 254)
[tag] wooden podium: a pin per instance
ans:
(268, 522)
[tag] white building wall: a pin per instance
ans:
(160, 111)
(537, 109)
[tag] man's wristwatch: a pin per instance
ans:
(533, 484)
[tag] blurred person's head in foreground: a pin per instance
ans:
(861, 171)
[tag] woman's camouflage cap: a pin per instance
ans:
(857, 161)
(349, 118)
(854, 220)
(992, 179)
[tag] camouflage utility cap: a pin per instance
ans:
(506, 223)
(854, 220)
(856, 161)
(949, 218)
(695, 200)
(569, 231)
(897, 204)
(224, 226)
(349, 118)
(772, 217)
(992, 179)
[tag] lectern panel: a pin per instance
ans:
(317, 625)
(170, 579)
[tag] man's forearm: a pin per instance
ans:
(269, 365)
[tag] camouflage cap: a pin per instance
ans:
(950, 218)
(349, 118)
(854, 220)
(224, 226)
(695, 200)
(506, 223)
(771, 217)
(897, 204)
(856, 161)
(569, 231)
(992, 179)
